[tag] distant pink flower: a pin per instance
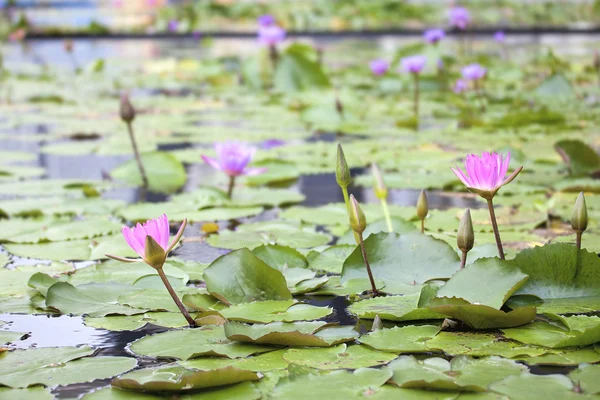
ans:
(459, 17)
(271, 144)
(271, 35)
(197, 35)
(499, 37)
(17, 35)
(461, 86)
(413, 64)
(151, 3)
(473, 72)
(266, 20)
(138, 238)
(379, 67)
(434, 35)
(173, 25)
(233, 159)
(485, 175)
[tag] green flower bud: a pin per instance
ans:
(465, 239)
(579, 218)
(381, 190)
(358, 222)
(342, 172)
(377, 324)
(126, 110)
(154, 255)
(422, 205)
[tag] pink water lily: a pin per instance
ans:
(413, 64)
(150, 241)
(433, 36)
(270, 35)
(485, 175)
(233, 158)
(379, 67)
(459, 17)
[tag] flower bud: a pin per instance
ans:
(126, 110)
(381, 190)
(339, 106)
(154, 255)
(377, 324)
(358, 222)
(466, 237)
(422, 205)
(342, 172)
(579, 218)
(68, 45)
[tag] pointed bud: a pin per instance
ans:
(377, 324)
(381, 190)
(339, 106)
(154, 255)
(579, 218)
(422, 205)
(465, 239)
(358, 222)
(342, 172)
(126, 110)
(68, 44)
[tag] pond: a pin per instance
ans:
(273, 274)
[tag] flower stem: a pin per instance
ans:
(364, 254)
(386, 214)
(136, 153)
(479, 95)
(423, 225)
(578, 240)
(273, 56)
(416, 99)
(230, 187)
(346, 198)
(463, 260)
(495, 227)
(180, 305)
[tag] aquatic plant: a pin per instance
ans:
(379, 67)
(127, 114)
(465, 238)
(484, 176)
(358, 223)
(422, 209)
(414, 65)
(433, 36)
(381, 192)
(579, 218)
(459, 17)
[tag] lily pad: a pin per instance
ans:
(32, 393)
(528, 386)
(402, 260)
(393, 308)
(565, 358)
(274, 311)
(341, 356)
(270, 361)
(479, 316)
(331, 259)
(165, 173)
(241, 391)
(587, 377)
(121, 323)
(190, 343)
(315, 333)
(579, 331)
(241, 277)
(407, 339)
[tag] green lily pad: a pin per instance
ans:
(13, 282)
(336, 357)
(528, 386)
(202, 301)
(316, 333)
(270, 361)
(402, 260)
(393, 308)
(153, 299)
(479, 316)
(173, 378)
(9, 337)
(561, 274)
(462, 373)
(335, 385)
(407, 339)
(95, 300)
(165, 173)
(190, 343)
(134, 322)
(32, 393)
(241, 277)
(241, 391)
(59, 230)
(587, 377)
(579, 331)
(581, 158)
(568, 357)
(478, 344)
(488, 281)
(331, 259)
(274, 311)
(58, 366)
(280, 257)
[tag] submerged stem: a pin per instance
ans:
(463, 260)
(495, 227)
(364, 254)
(180, 305)
(136, 153)
(230, 186)
(386, 214)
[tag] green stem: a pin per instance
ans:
(386, 214)
(495, 227)
(180, 305)
(416, 99)
(364, 254)
(463, 260)
(578, 240)
(231, 186)
(423, 225)
(136, 153)
(346, 197)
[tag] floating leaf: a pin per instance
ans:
(331, 259)
(341, 356)
(579, 331)
(528, 386)
(242, 391)
(270, 361)
(568, 357)
(393, 308)
(479, 316)
(135, 322)
(587, 376)
(274, 311)
(280, 257)
(32, 393)
(581, 158)
(407, 339)
(165, 173)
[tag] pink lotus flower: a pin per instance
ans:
(459, 17)
(271, 35)
(461, 86)
(434, 35)
(17, 35)
(499, 37)
(379, 67)
(266, 20)
(486, 174)
(150, 241)
(413, 64)
(473, 72)
(233, 159)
